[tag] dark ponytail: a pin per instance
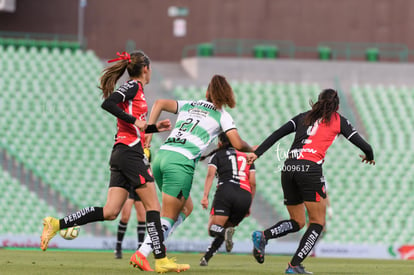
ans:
(327, 104)
(225, 143)
(133, 63)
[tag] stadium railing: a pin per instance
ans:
(324, 50)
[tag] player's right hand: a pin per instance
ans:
(251, 157)
(204, 203)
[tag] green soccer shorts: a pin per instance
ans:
(173, 173)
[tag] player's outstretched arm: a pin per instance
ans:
(168, 105)
(237, 142)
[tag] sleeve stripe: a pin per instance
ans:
(230, 129)
(353, 133)
(211, 164)
(123, 95)
(294, 124)
(176, 112)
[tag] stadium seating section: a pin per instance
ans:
(21, 208)
(52, 124)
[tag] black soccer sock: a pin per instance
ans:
(281, 229)
(214, 246)
(217, 230)
(122, 227)
(81, 217)
(307, 242)
(141, 233)
(154, 230)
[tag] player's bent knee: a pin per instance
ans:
(110, 215)
(301, 224)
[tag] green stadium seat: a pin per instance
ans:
(265, 51)
(324, 53)
(372, 54)
(205, 50)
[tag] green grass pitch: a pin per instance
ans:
(35, 261)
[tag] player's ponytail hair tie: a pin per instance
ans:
(122, 56)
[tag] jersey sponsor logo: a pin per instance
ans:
(176, 140)
(219, 211)
(198, 112)
(142, 96)
(203, 104)
(142, 117)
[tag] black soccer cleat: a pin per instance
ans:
(203, 262)
(118, 254)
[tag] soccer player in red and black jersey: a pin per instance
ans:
(128, 169)
(302, 178)
(234, 194)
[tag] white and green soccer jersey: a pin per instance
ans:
(198, 123)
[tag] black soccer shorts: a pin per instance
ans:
(302, 180)
(128, 169)
(232, 201)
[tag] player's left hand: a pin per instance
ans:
(141, 124)
(163, 125)
(364, 159)
(147, 143)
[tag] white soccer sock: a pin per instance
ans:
(146, 248)
(180, 220)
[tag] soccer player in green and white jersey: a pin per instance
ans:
(198, 124)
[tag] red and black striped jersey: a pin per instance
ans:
(232, 167)
(134, 104)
